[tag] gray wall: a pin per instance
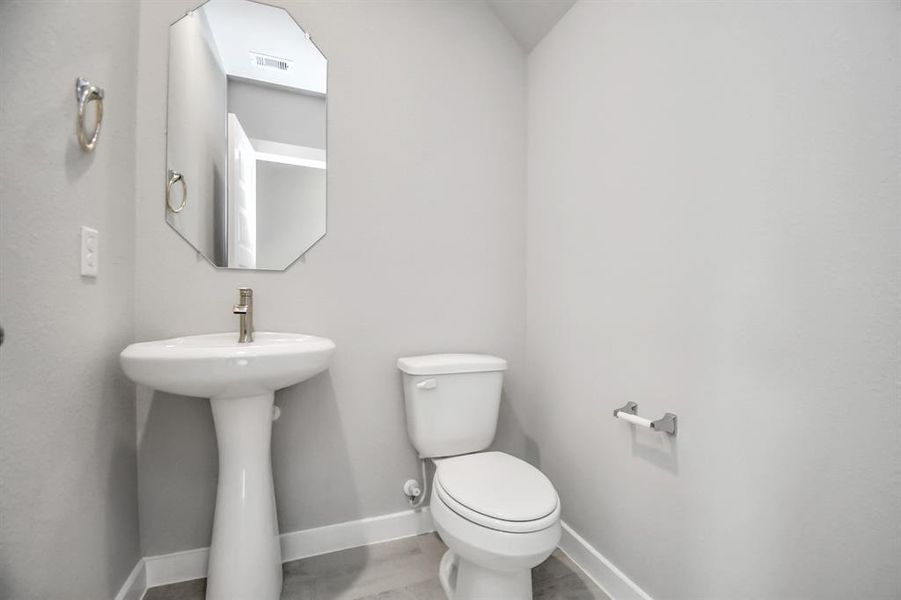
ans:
(68, 506)
(278, 115)
(713, 230)
(424, 253)
(291, 211)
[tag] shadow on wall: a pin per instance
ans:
(310, 458)
(220, 218)
(5, 589)
(121, 468)
(178, 465)
(659, 449)
(178, 468)
(76, 161)
(512, 438)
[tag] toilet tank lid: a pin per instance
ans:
(445, 364)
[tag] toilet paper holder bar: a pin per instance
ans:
(629, 412)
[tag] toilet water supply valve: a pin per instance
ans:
(411, 489)
(415, 493)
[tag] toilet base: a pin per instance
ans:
(465, 580)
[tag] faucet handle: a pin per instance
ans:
(245, 301)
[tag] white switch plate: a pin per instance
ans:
(90, 251)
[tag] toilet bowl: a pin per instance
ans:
(498, 515)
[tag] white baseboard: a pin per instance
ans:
(341, 536)
(192, 564)
(178, 566)
(135, 585)
(603, 572)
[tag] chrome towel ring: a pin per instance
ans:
(176, 177)
(86, 92)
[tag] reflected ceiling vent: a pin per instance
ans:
(264, 61)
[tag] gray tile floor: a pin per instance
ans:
(404, 569)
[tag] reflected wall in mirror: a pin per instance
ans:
(246, 133)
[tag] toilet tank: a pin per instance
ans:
(452, 401)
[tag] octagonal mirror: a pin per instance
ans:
(246, 135)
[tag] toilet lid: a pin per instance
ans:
(498, 486)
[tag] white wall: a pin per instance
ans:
(424, 253)
(291, 211)
(713, 230)
(68, 500)
(301, 117)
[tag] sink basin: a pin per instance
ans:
(216, 365)
(240, 380)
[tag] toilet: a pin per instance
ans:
(498, 515)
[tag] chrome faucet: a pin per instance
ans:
(244, 310)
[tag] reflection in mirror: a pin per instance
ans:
(247, 133)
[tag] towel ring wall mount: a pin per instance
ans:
(85, 93)
(176, 177)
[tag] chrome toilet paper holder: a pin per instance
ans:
(629, 412)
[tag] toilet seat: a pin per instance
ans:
(497, 491)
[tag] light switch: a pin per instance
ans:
(90, 251)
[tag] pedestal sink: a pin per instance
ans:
(240, 380)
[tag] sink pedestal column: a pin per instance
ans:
(245, 555)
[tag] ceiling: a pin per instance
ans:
(246, 32)
(529, 20)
